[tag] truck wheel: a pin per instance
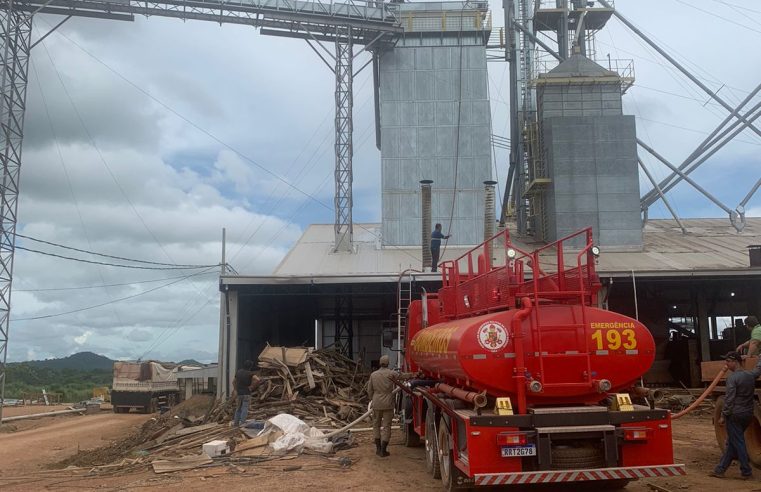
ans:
(411, 439)
(752, 433)
(431, 450)
(446, 464)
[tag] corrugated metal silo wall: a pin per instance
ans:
(420, 86)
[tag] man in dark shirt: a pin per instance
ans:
(243, 383)
(436, 237)
(737, 414)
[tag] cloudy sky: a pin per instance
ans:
(145, 139)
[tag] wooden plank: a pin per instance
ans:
(177, 464)
(192, 430)
(310, 376)
(256, 442)
(709, 370)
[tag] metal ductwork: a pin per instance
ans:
(425, 196)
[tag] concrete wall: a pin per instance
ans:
(419, 91)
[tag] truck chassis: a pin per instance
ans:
(468, 448)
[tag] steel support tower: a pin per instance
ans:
(346, 23)
(16, 29)
(344, 73)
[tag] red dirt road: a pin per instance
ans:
(24, 454)
(54, 438)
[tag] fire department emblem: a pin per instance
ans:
(492, 336)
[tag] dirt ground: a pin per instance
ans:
(32, 409)
(25, 457)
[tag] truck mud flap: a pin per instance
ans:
(560, 476)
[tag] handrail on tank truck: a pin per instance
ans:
(479, 288)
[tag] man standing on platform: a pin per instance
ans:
(436, 237)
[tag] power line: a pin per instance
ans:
(122, 284)
(735, 6)
(205, 132)
(713, 14)
(103, 255)
(46, 316)
(114, 264)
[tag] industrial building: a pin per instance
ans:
(574, 164)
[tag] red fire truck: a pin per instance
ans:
(521, 379)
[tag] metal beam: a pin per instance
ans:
(676, 64)
(366, 17)
(538, 41)
(51, 31)
(709, 141)
(662, 195)
(733, 215)
(15, 41)
(738, 128)
(750, 194)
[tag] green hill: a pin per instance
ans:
(74, 376)
(85, 361)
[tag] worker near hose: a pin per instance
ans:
(753, 345)
(380, 389)
(737, 414)
(436, 237)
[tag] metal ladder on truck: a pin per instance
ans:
(580, 358)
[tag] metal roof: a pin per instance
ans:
(711, 247)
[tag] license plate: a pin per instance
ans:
(519, 451)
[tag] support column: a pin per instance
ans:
(704, 332)
(344, 128)
(344, 329)
(15, 38)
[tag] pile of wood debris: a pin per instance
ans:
(321, 387)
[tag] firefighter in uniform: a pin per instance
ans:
(380, 389)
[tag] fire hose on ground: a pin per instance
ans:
(358, 420)
(703, 396)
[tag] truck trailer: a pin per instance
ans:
(520, 378)
(145, 386)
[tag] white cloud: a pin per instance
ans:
(81, 339)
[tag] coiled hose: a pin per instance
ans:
(703, 396)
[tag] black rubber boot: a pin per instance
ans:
(378, 447)
(383, 452)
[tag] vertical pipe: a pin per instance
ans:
(636, 305)
(425, 243)
(520, 364)
(489, 221)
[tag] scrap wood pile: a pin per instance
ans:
(321, 387)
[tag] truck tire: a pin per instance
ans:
(431, 449)
(446, 464)
(577, 458)
(752, 433)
